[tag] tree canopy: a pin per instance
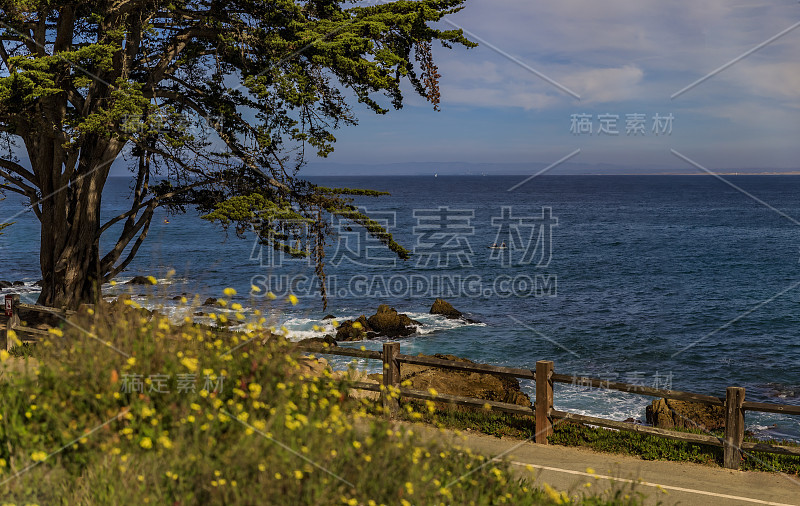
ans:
(211, 104)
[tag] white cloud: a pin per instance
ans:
(595, 45)
(606, 84)
(779, 81)
(501, 84)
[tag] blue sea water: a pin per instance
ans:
(682, 282)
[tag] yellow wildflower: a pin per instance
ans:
(189, 363)
(165, 442)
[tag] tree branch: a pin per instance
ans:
(176, 48)
(4, 55)
(19, 170)
(157, 200)
(130, 256)
(22, 188)
(125, 238)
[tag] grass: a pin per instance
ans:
(138, 410)
(644, 446)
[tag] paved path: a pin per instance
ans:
(565, 468)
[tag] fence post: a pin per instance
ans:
(13, 319)
(734, 427)
(544, 400)
(391, 377)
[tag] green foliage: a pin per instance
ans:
(268, 433)
(214, 103)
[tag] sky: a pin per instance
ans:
(512, 100)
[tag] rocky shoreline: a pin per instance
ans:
(387, 322)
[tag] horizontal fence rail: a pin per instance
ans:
(638, 389)
(467, 366)
(45, 309)
(13, 307)
(771, 408)
(732, 442)
(641, 429)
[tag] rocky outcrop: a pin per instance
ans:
(8, 284)
(348, 331)
(211, 301)
(319, 340)
(485, 386)
(669, 414)
(356, 375)
(310, 367)
(139, 280)
(386, 322)
(444, 308)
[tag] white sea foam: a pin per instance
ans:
(27, 288)
(303, 327)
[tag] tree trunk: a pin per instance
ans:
(70, 233)
(74, 279)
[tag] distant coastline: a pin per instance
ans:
(434, 169)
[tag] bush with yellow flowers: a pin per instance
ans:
(123, 406)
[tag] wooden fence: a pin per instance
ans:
(25, 334)
(544, 376)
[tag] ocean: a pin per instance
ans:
(681, 282)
